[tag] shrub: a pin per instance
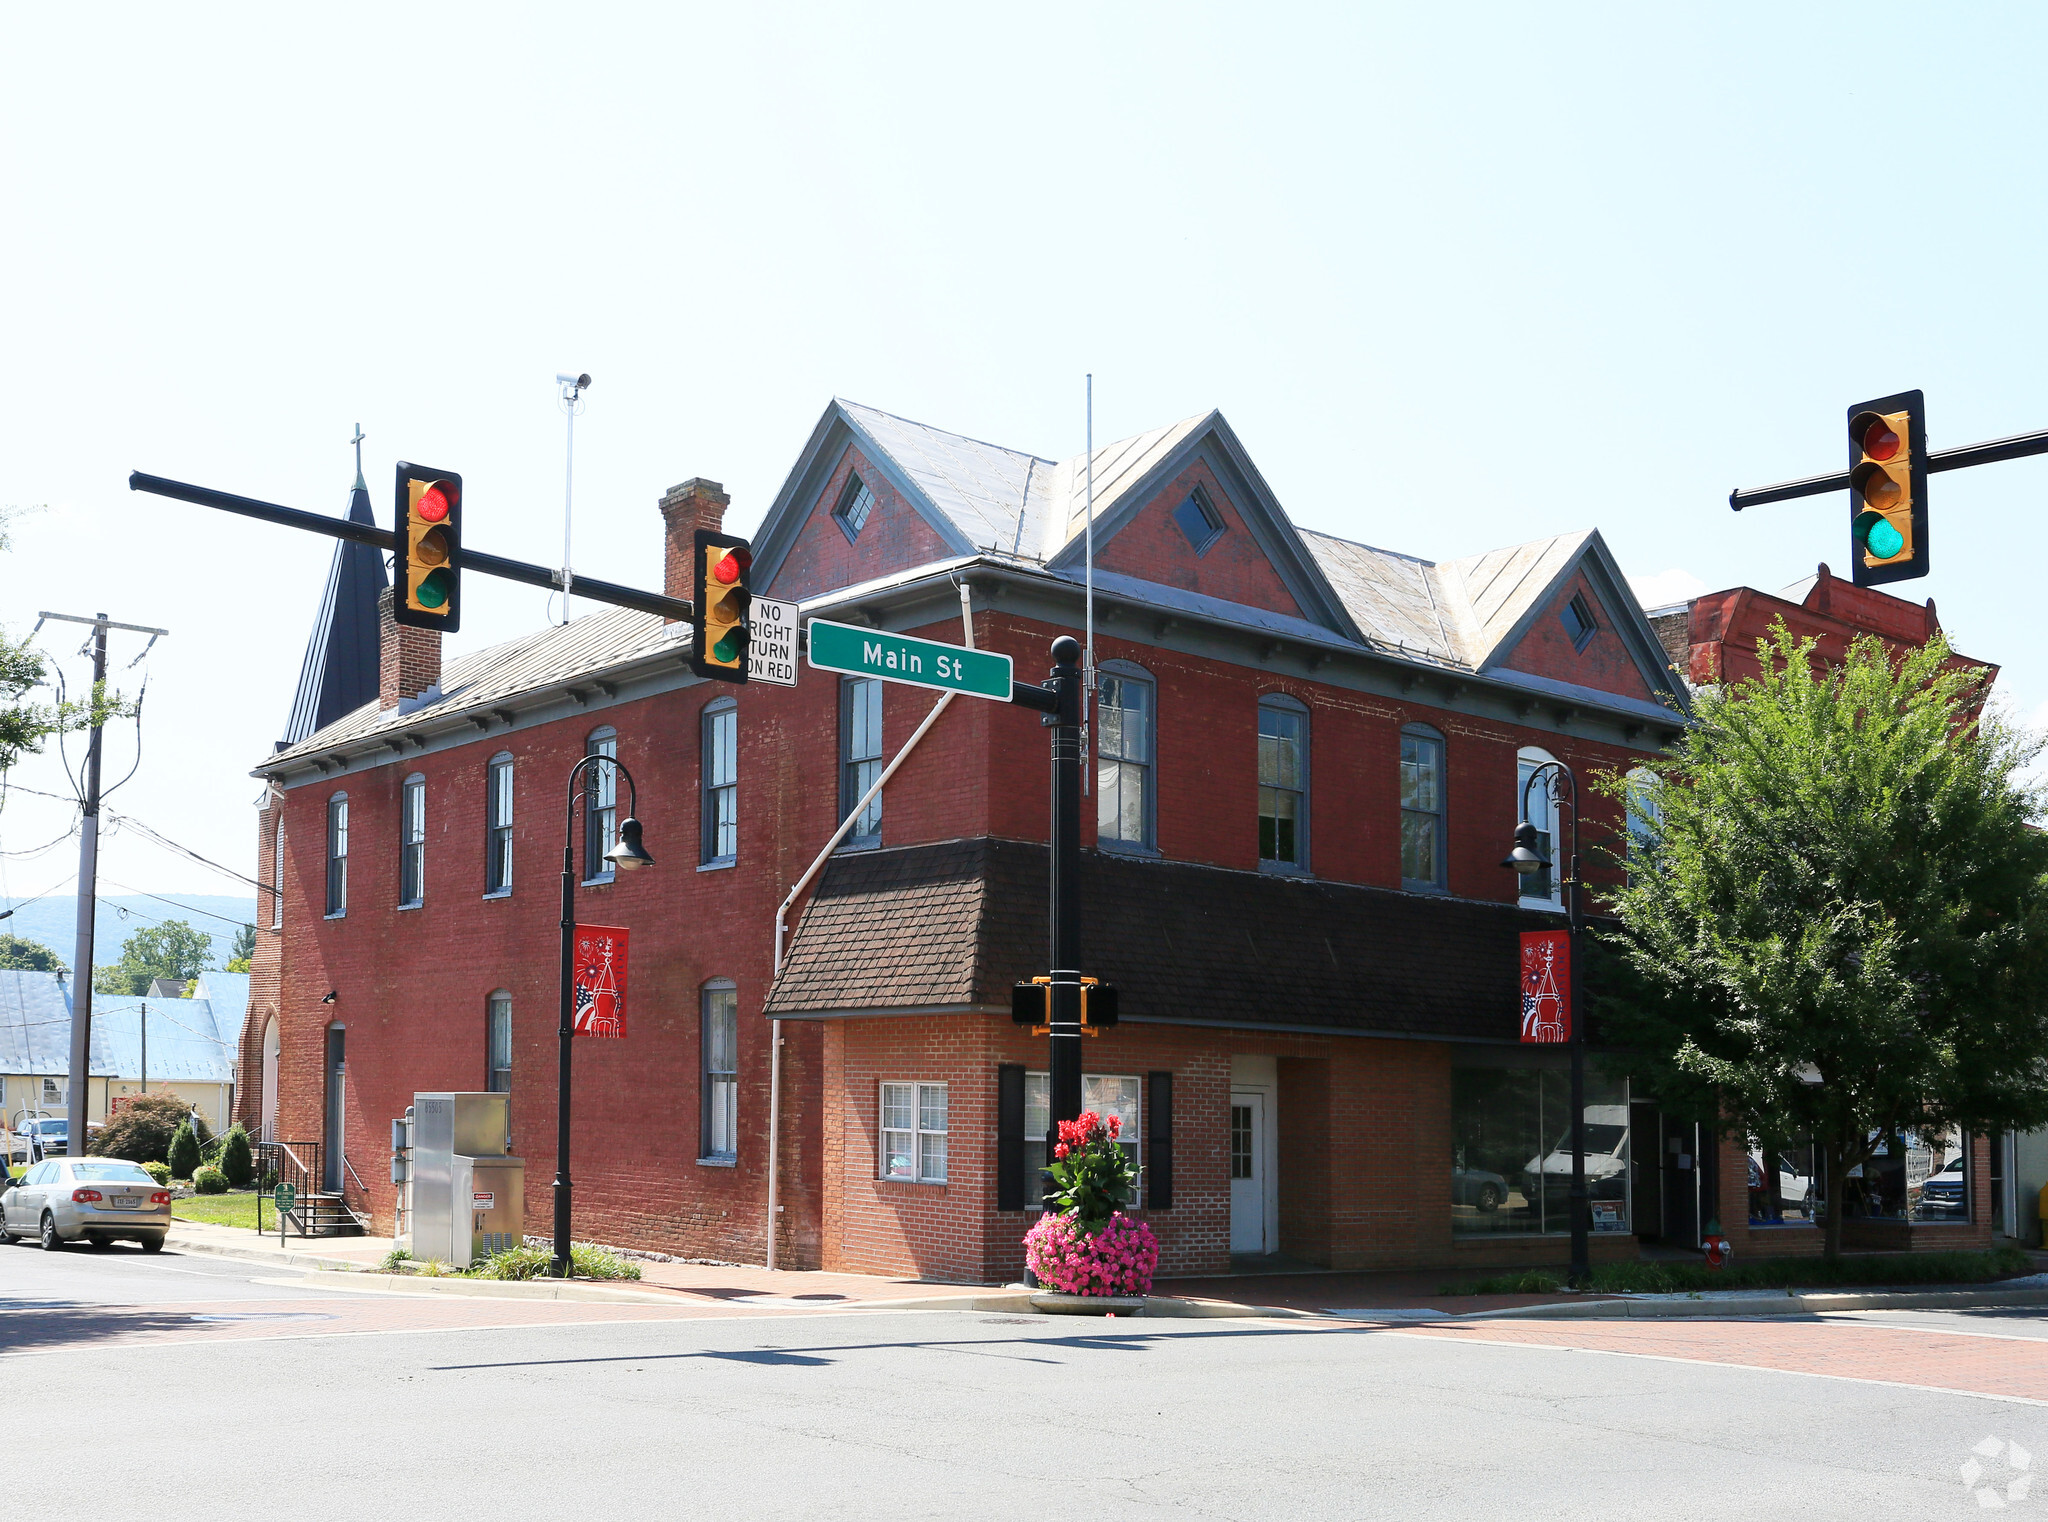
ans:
(1117, 1260)
(210, 1181)
(586, 1261)
(1873, 1271)
(183, 1154)
(237, 1161)
(161, 1172)
(392, 1259)
(141, 1130)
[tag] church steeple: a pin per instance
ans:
(340, 670)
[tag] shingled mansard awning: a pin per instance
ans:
(947, 928)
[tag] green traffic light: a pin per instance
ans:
(728, 648)
(433, 589)
(1879, 537)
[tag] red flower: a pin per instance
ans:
(1060, 1151)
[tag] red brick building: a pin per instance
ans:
(1307, 765)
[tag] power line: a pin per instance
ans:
(188, 908)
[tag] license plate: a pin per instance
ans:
(127, 1202)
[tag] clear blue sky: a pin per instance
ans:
(1459, 277)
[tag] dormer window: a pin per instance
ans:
(855, 503)
(1578, 620)
(1198, 520)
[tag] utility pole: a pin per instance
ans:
(88, 873)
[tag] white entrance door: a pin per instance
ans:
(1250, 1172)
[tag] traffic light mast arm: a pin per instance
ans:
(380, 538)
(2018, 447)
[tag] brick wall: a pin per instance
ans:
(894, 538)
(1233, 567)
(408, 659)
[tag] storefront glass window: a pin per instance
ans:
(1511, 1151)
(1789, 1193)
(1914, 1177)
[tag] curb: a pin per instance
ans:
(246, 1255)
(490, 1289)
(1787, 1304)
(1019, 1302)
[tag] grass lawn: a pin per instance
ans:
(235, 1208)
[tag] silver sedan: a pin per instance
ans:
(103, 1200)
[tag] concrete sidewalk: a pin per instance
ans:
(669, 1282)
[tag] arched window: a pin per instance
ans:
(498, 823)
(337, 855)
(1423, 844)
(719, 1118)
(1283, 783)
(720, 786)
(1645, 815)
(1541, 888)
(498, 1043)
(600, 805)
(412, 842)
(1125, 733)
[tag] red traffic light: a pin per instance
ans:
(433, 504)
(1879, 440)
(730, 566)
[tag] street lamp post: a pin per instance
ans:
(1525, 859)
(626, 855)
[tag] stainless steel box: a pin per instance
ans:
(453, 1135)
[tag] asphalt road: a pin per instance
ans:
(226, 1399)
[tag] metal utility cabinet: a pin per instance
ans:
(468, 1197)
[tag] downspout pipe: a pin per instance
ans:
(782, 916)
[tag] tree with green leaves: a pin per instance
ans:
(24, 725)
(244, 949)
(1836, 925)
(19, 951)
(170, 950)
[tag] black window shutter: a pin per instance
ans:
(1159, 1141)
(1010, 1136)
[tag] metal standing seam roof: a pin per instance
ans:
(35, 1027)
(584, 647)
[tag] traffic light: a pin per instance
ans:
(1888, 489)
(1098, 1006)
(429, 536)
(721, 594)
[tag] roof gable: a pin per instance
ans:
(893, 535)
(1603, 661)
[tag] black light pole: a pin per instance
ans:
(1064, 1074)
(626, 855)
(1526, 860)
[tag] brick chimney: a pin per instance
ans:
(408, 659)
(696, 504)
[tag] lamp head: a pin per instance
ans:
(1524, 858)
(629, 855)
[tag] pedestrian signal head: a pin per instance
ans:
(428, 549)
(1888, 489)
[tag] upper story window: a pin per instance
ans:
(721, 783)
(1579, 622)
(337, 854)
(1645, 814)
(855, 503)
(498, 824)
(1199, 520)
(412, 841)
(1283, 784)
(1422, 807)
(277, 865)
(498, 1043)
(1539, 888)
(860, 755)
(719, 1101)
(1124, 756)
(600, 805)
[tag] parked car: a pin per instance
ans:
(51, 1133)
(1943, 1193)
(1606, 1157)
(101, 1200)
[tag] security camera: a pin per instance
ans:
(580, 382)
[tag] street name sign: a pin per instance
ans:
(900, 658)
(771, 642)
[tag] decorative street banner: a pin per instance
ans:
(1546, 985)
(598, 994)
